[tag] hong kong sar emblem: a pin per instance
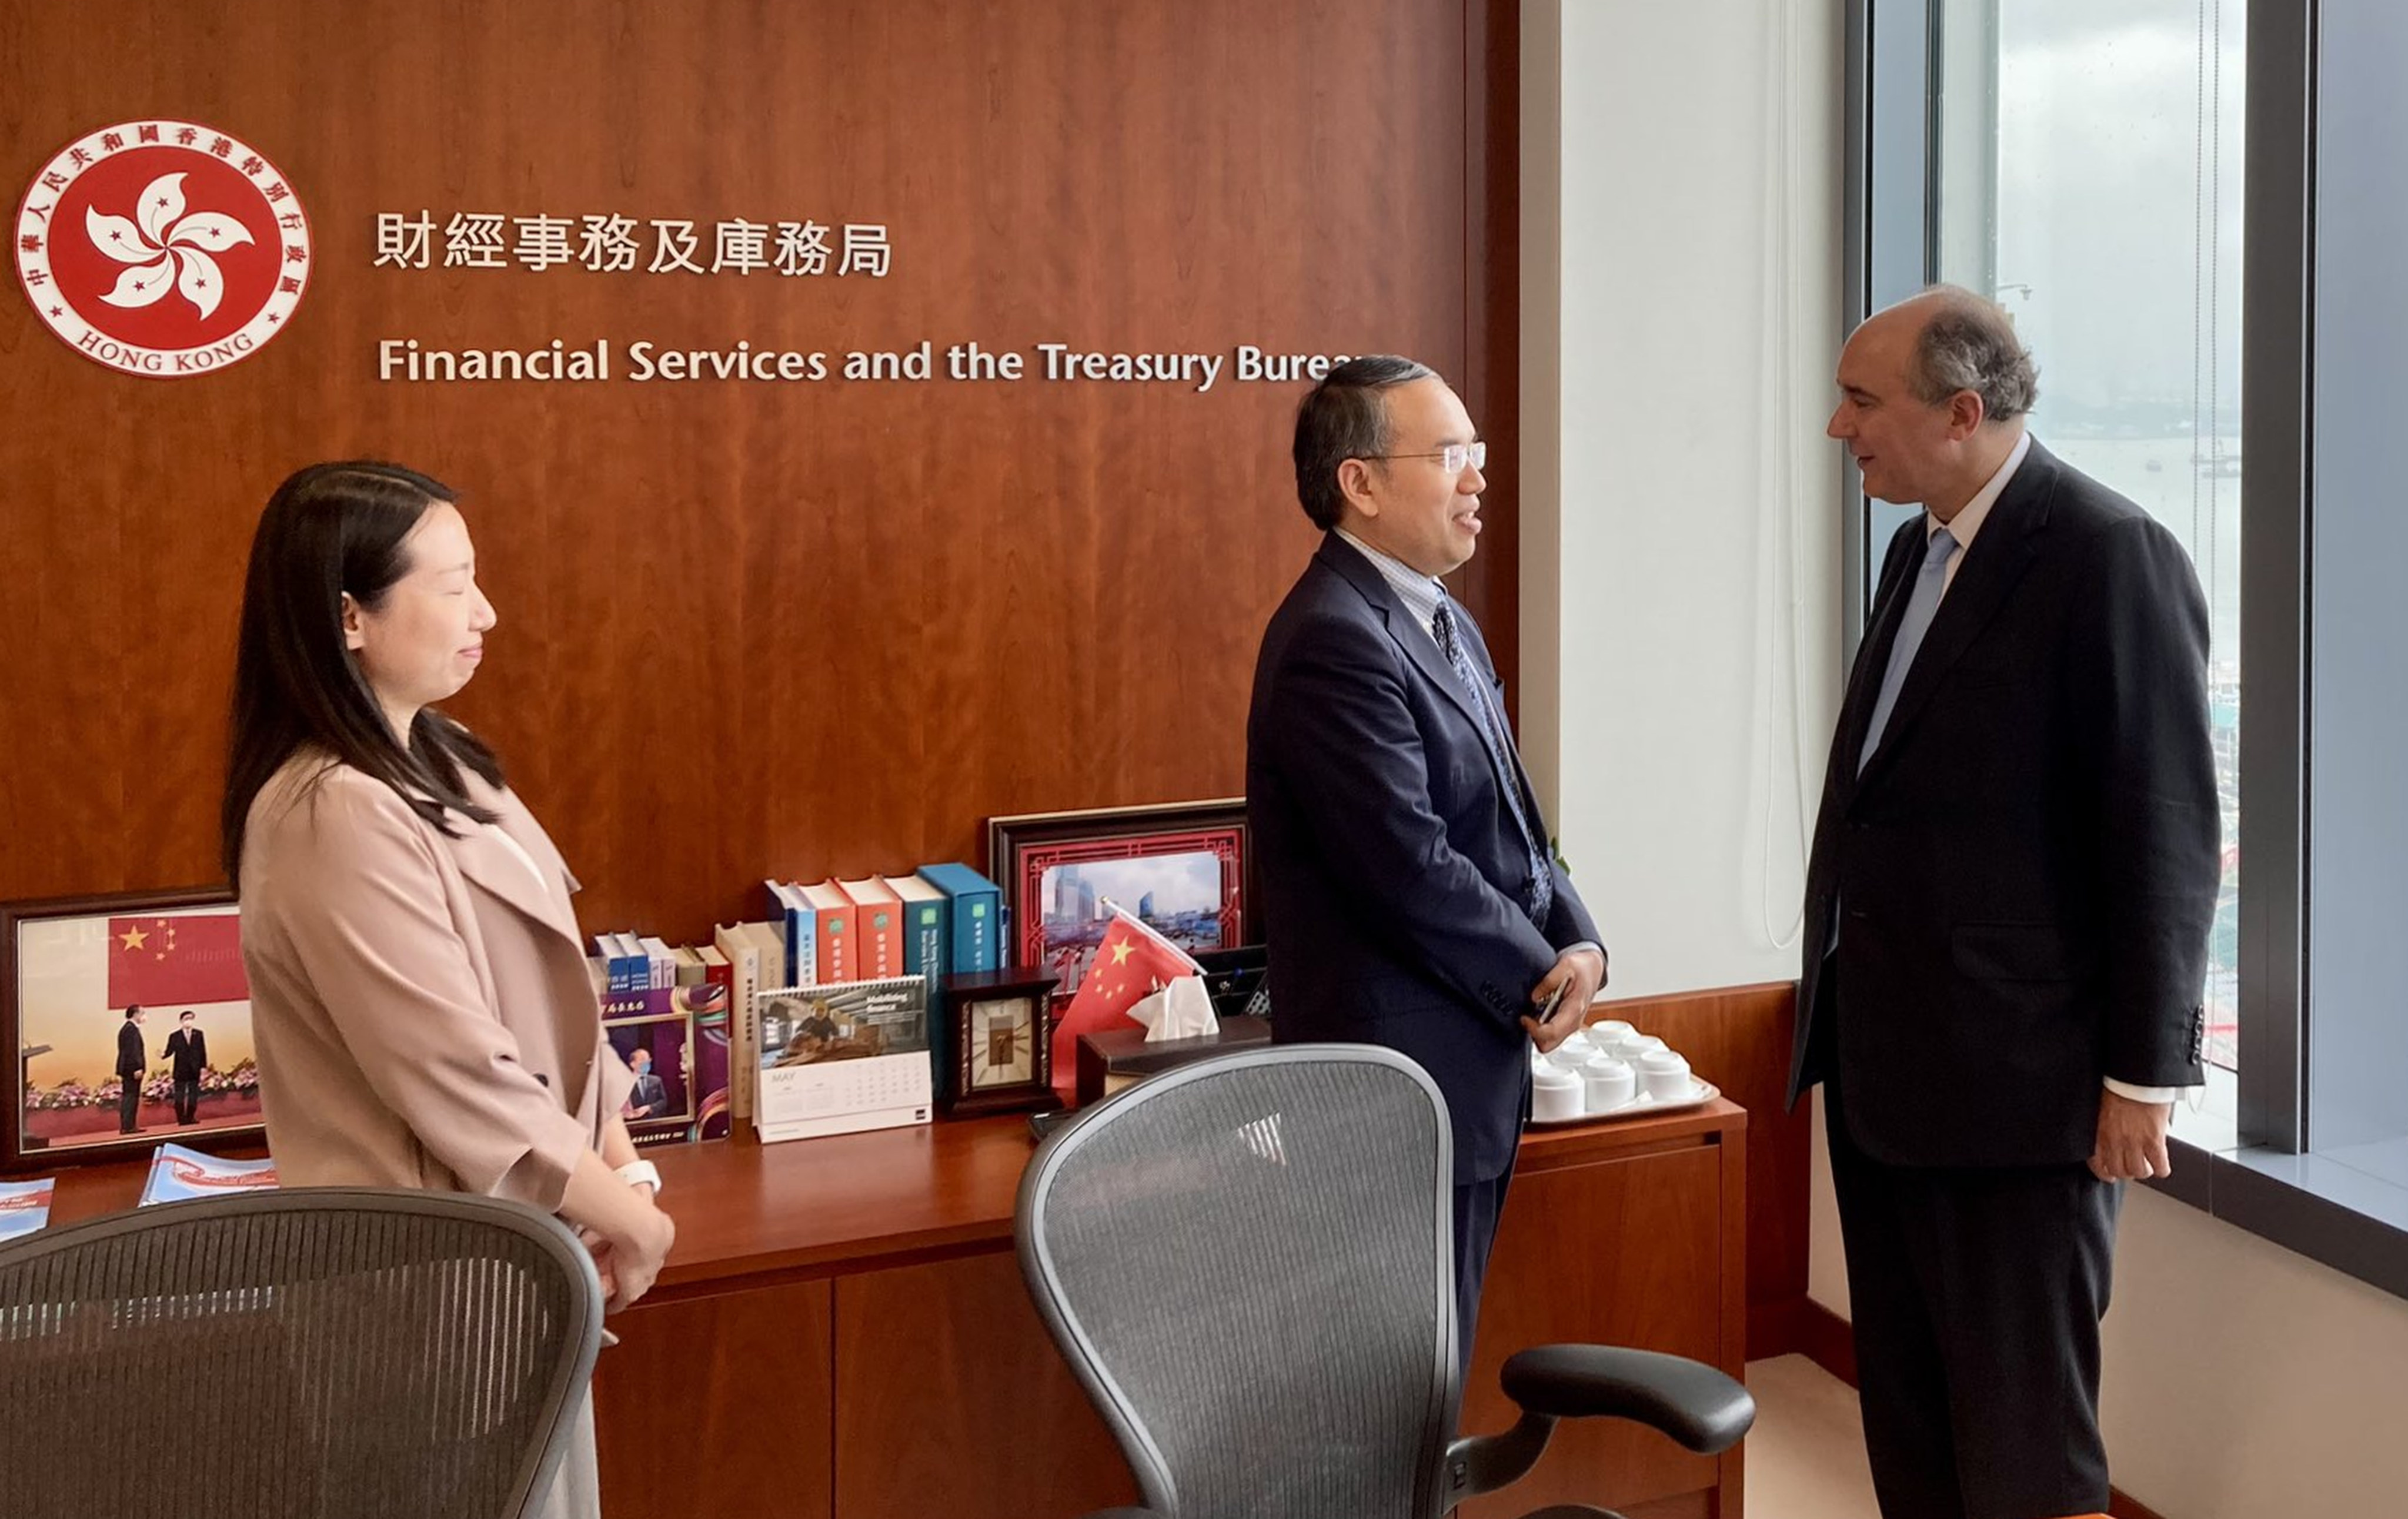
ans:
(163, 248)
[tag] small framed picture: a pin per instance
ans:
(653, 1031)
(129, 1018)
(1186, 869)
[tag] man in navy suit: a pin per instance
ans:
(2006, 911)
(1411, 896)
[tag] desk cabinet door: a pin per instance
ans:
(952, 1400)
(1613, 1253)
(718, 1406)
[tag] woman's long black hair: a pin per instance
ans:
(330, 529)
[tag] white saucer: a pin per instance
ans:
(1645, 1103)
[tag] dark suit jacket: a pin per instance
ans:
(2028, 865)
(1392, 873)
(191, 1055)
(649, 1092)
(130, 1061)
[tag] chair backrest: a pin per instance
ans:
(353, 1355)
(1247, 1263)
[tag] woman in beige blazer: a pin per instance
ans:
(418, 986)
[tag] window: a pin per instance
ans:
(2087, 177)
(2083, 163)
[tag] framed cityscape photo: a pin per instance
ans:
(130, 1017)
(1187, 869)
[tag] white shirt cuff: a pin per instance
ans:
(2146, 1094)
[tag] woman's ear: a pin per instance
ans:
(353, 636)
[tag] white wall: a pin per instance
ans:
(1681, 230)
(2241, 1380)
(1680, 538)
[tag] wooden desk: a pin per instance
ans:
(841, 1332)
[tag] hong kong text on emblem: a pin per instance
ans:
(163, 248)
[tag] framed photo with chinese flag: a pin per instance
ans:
(1186, 869)
(130, 1019)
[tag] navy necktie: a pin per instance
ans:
(1501, 750)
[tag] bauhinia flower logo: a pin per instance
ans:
(162, 247)
(168, 247)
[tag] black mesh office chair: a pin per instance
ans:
(1246, 1262)
(332, 1354)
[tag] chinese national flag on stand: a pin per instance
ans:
(1131, 963)
(183, 961)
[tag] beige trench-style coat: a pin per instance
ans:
(421, 1004)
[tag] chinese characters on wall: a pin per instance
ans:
(610, 244)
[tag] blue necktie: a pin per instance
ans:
(1920, 607)
(1492, 732)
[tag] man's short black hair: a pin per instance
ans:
(1346, 417)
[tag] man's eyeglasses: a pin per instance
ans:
(1454, 458)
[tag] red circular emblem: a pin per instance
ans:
(163, 248)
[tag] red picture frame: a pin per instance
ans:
(1194, 861)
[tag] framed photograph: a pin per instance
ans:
(1186, 869)
(653, 1031)
(129, 1018)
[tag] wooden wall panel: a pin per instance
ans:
(754, 628)
(1739, 1038)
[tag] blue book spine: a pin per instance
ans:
(976, 906)
(985, 911)
(924, 938)
(630, 971)
(802, 920)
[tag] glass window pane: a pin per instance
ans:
(2088, 177)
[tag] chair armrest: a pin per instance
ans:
(1695, 1404)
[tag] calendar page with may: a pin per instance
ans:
(841, 1058)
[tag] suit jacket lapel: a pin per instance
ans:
(488, 861)
(1991, 567)
(1365, 577)
(1520, 779)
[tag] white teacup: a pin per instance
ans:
(1573, 1051)
(1624, 1045)
(1610, 1082)
(1666, 1076)
(1635, 1050)
(1555, 1093)
(1607, 1032)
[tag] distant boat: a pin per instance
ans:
(2154, 468)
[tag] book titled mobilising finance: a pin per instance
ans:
(842, 1058)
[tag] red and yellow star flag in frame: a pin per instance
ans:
(181, 960)
(1132, 962)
